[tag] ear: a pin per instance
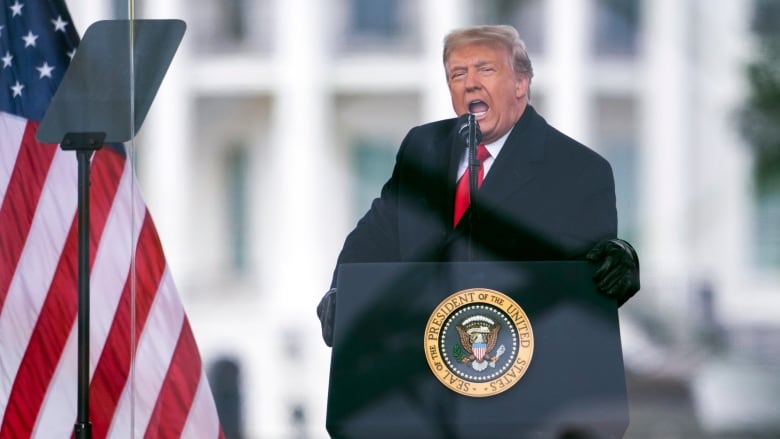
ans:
(521, 87)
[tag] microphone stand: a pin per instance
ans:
(473, 164)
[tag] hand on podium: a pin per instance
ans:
(617, 275)
(326, 311)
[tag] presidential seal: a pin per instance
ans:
(478, 342)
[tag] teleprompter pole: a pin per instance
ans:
(85, 144)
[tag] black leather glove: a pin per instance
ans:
(326, 311)
(617, 275)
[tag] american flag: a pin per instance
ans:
(147, 379)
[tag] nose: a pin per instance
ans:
(472, 81)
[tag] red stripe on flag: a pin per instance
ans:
(113, 368)
(21, 199)
(59, 310)
(178, 391)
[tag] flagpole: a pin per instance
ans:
(85, 144)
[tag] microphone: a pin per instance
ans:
(468, 124)
(468, 128)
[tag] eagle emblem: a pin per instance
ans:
(478, 337)
(467, 334)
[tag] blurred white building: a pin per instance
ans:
(279, 120)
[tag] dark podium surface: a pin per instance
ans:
(381, 385)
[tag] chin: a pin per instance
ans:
(487, 133)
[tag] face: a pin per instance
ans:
(482, 82)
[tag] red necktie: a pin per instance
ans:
(462, 197)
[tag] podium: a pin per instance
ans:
(383, 382)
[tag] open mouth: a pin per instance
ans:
(478, 108)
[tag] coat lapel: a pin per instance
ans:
(518, 162)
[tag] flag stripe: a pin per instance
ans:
(109, 272)
(178, 391)
(58, 315)
(153, 357)
(43, 350)
(12, 130)
(113, 366)
(202, 420)
(58, 410)
(20, 202)
(35, 270)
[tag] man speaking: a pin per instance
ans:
(540, 194)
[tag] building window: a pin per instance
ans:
(371, 128)
(376, 18)
(616, 28)
(616, 138)
(231, 25)
(766, 15)
(766, 232)
(372, 162)
(232, 20)
(373, 25)
(527, 16)
(237, 185)
(759, 126)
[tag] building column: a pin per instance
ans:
(439, 17)
(164, 151)
(296, 150)
(566, 91)
(665, 142)
(297, 199)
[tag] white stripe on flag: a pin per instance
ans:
(11, 132)
(202, 421)
(37, 265)
(155, 349)
(58, 409)
(112, 262)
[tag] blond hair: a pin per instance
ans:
(503, 35)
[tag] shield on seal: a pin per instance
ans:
(479, 350)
